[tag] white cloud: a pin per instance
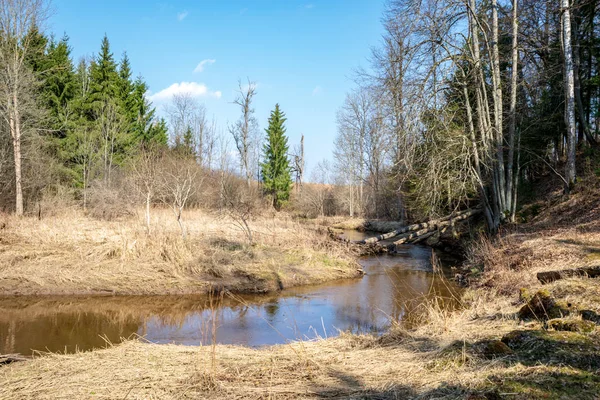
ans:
(181, 16)
(194, 89)
(317, 91)
(202, 64)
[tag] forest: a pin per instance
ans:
(466, 104)
(448, 246)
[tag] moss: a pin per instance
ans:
(525, 295)
(492, 349)
(543, 382)
(571, 325)
(594, 255)
(542, 306)
(575, 349)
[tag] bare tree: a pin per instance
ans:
(298, 164)
(210, 142)
(178, 182)
(17, 18)
(245, 128)
(183, 113)
(321, 189)
(146, 168)
(241, 203)
(112, 125)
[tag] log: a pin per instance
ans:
(429, 225)
(551, 276)
(412, 235)
(11, 358)
(423, 237)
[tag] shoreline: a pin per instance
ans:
(499, 342)
(63, 255)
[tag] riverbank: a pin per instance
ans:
(72, 254)
(514, 338)
(456, 355)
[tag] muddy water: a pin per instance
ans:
(393, 289)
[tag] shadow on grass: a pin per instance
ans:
(551, 365)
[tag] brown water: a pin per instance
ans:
(393, 289)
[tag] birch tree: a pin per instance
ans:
(569, 95)
(17, 18)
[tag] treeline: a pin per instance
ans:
(85, 134)
(65, 124)
(468, 101)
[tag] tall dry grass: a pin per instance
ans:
(72, 253)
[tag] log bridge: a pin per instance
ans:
(416, 233)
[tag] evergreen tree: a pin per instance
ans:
(276, 171)
(59, 87)
(36, 56)
(184, 145)
(126, 92)
(104, 83)
(145, 129)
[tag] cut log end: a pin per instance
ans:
(551, 276)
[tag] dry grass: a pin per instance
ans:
(74, 254)
(513, 260)
(441, 359)
(399, 364)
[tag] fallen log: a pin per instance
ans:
(412, 235)
(551, 276)
(429, 225)
(6, 359)
(423, 237)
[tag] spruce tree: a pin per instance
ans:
(276, 171)
(59, 86)
(126, 92)
(104, 76)
(146, 129)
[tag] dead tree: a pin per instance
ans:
(146, 168)
(243, 130)
(298, 168)
(416, 231)
(179, 181)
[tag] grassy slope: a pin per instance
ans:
(78, 255)
(453, 355)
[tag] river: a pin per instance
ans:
(393, 289)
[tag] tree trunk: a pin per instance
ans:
(180, 222)
(148, 212)
(570, 172)
(498, 114)
(15, 128)
(426, 226)
(513, 115)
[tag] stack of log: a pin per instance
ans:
(416, 233)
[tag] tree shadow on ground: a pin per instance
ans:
(556, 365)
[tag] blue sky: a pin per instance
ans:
(302, 54)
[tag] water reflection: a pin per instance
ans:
(393, 289)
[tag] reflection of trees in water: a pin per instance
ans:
(64, 332)
(397, 295)
(389, 292)
(272, 309)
